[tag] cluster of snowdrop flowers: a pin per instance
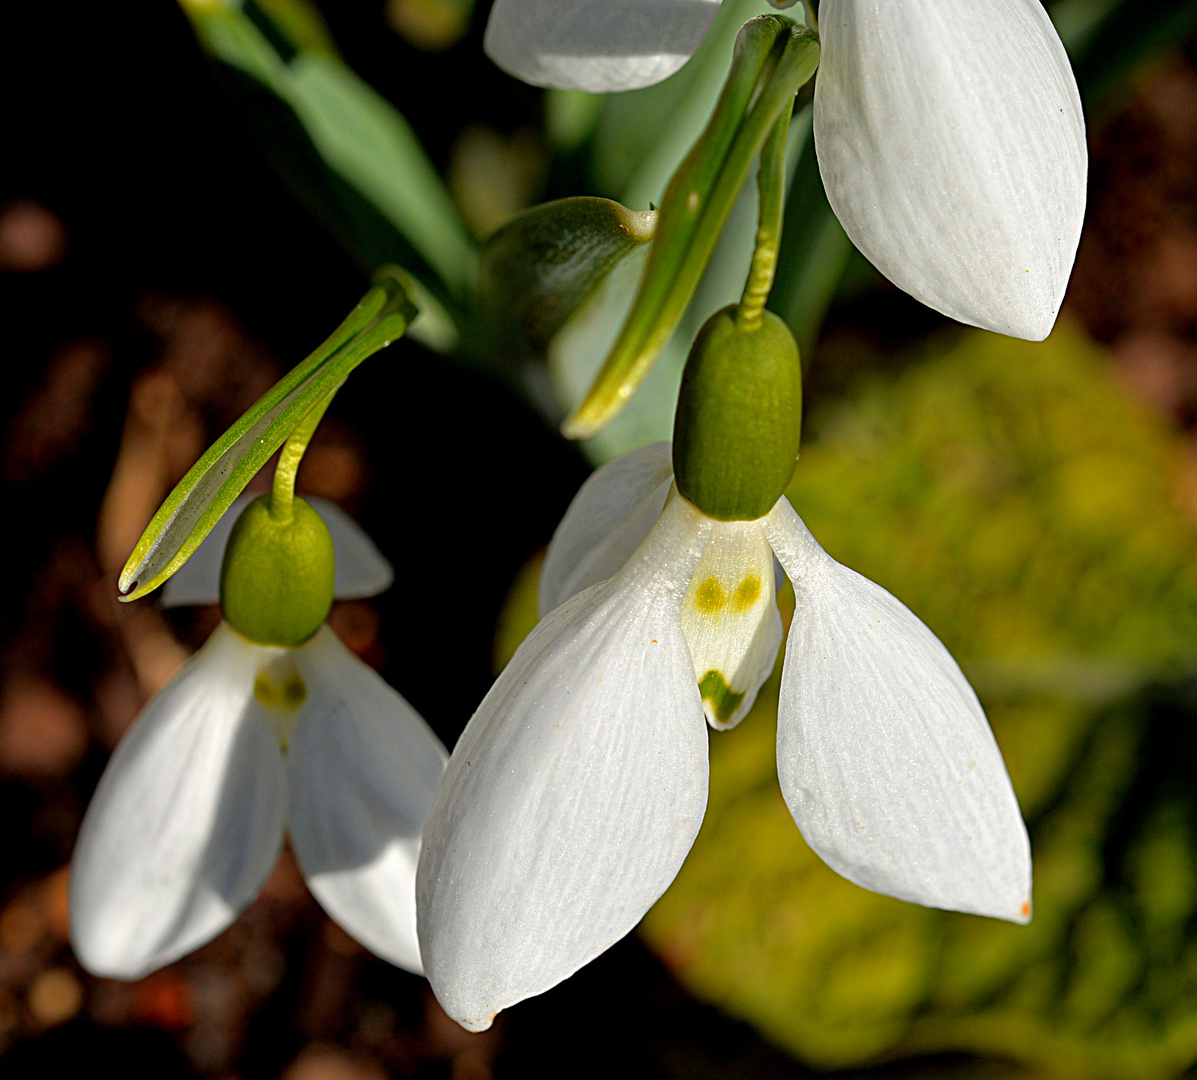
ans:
(949, 133)
(273, 724)
(579, 785)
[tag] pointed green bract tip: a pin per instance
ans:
(276, 581)
(739, 416)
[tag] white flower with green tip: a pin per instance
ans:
(249, 739)
(578, 787)
(949, 133)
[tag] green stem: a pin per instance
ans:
(282, 492)
(771, 185)
(773, 59)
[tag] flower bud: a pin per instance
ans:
(276, 581)
(739, 416)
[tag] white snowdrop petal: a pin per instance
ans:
(606, 522)
(361, 569)
(362, 770)
(884, 755)
(187, 820)
(731, 620)
(575, 791)
(952, 147)
(596, 45)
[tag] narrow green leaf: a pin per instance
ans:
(299, 23)
(365, 139)
(360, 138)
(540, 267)
(221, 474)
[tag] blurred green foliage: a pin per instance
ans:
(1026, 509)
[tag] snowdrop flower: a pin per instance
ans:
(949, 132)
(249, 738)
(579, 785)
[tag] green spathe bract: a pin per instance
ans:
(276, 582)
(739, 416)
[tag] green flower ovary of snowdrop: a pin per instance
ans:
(949, 133)
(249, 739)
(578, 787)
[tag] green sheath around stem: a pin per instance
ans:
(220, 475)
(773, 59)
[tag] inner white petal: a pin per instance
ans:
(280, 689)
(731, 621)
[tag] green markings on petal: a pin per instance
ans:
(731, 622)
(718, 697)
(289, 693)
(280, 689)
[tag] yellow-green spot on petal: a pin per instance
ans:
(280, 690)
(709, 595)
(287, 692)
(722, 699)
(747, 593)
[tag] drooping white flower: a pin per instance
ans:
(596, 45)
(949, 133)
(579, 785)
(188, 819)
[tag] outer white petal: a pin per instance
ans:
(575, 791)
(884, 755)
(187, 821)
(361, 569)
(952, 147)
(362, 770)
(609, 517)
(596, 45)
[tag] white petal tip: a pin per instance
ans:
(955, 157)
(95, 961)
(1028, 324)
(600, 46)
(478, 1025)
